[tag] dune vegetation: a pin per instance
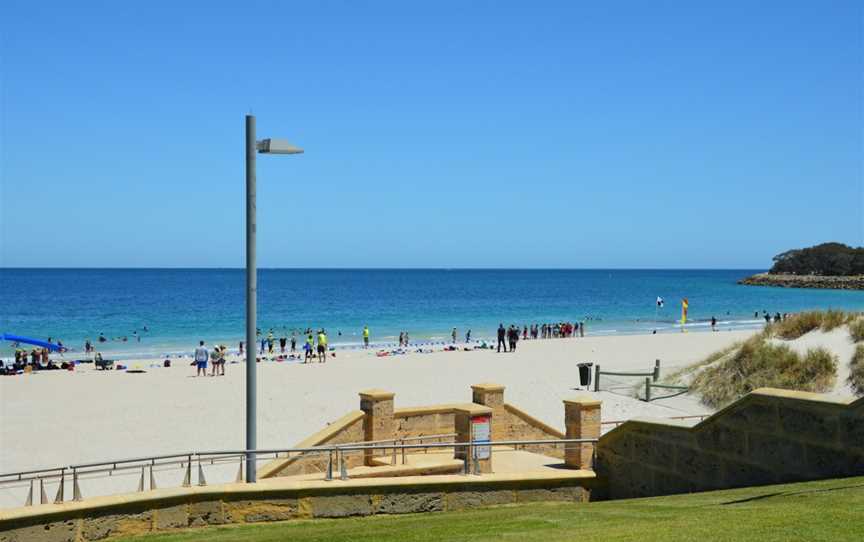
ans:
(856, 330)
(856, 371)
(759, 363)
(802, 323)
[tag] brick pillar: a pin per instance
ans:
(378, 423)
(582, 419)
(468, 422)
(492, 396)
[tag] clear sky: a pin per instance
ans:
(437, 134)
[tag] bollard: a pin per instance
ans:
(141, 481)
(43, 497)
(76, 490)
(201, 480)
(187, 479)
(60, 490)
(647, 390)
(343, 470)
(656, 370)
(597, 377)
(29, 501)
(239, 477)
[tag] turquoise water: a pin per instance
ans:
(181, 306)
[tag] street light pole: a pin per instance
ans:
(266, 146)
(251, 301)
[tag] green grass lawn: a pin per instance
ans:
(826, 510)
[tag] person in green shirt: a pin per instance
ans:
(365, 336)
(322, 346)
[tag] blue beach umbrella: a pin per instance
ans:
(27, 340)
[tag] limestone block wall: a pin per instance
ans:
(519, 425)
(419, 421)
(347, 429)
(170, 509)
(512, 423)
(768, 436)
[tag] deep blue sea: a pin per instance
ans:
(181, 306)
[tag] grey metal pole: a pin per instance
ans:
(251, 301)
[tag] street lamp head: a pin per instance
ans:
(276, 146)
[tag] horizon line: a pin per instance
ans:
(208, 268)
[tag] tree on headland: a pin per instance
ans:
(827, 259)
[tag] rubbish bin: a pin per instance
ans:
(585, 374)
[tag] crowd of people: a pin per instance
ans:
(37, 359)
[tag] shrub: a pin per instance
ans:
(856, 370)
(856, 330)
(759, 363)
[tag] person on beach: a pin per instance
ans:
(201, 357)
(514, 338)
(282, 342)
(223, 353)
(453, 335)
(307, 349)
(501, 334)
(293, 342)
(365, 336)
(406, 339)
(581, 329)
(322, 346)
(713, 324)
(468, 337)
(241, 348)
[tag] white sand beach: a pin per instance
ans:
(60, 418)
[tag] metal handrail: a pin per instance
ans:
(314, 449)
(471, 463)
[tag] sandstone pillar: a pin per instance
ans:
(492, 396)
(582, 419)
(474, 424)
(378, 423)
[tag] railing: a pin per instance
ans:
(675, 391)
(654, 374)
(335, 460)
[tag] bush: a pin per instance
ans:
(856, 370)
(758, 364)
(856, 330)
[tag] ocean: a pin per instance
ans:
(178, 307)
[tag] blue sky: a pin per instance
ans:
(437, 134)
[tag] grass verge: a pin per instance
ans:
(824, 510)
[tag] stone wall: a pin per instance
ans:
(768, 436)
(420, 421)
(345, 430)
(165, 510)
(512, 423)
